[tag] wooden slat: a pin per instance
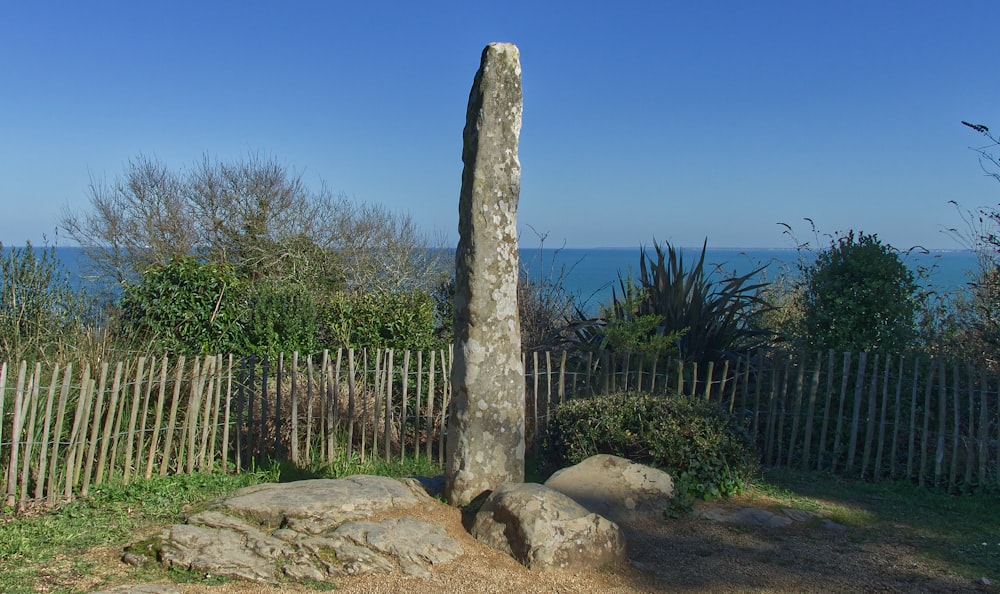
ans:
(956, 427)
(942, 419)
(984, 425)
(294, 395)
(859, 390)
(387, 432)
(43, 450)
(132, 420)
(74, 445)
(970, 452)
(403, 406)
(880, 440)
(172, 417)
(351, 402)
(30, 433)
(831, 362)
(811, 411)
(838, 426)
(57, 432)
(226, 415)
(911, 446)
(216, 405)
(796, 408)
(110, 422)
(925, 434)
(870, 418)
(144, 417)
(20, 393)
(430, 409)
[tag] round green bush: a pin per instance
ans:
(705, 448)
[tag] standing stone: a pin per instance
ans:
(486, 432)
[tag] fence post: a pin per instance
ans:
(16, 428)
(800, 379)
(109, 421)
(429, 442)
(957, 391)
(350, 404)
(984, 425)
(870, 418)
(3, 394)
(226, 415)
(911, 450)
(295, 409)
(172, 419)
(896, 419)
(402, 421)
(76, 443)
(877, 470)
(811, 410)
(859, 384)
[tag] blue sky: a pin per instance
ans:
(669, 120)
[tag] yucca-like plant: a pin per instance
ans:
(710, 318)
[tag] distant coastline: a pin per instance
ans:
(589, 274)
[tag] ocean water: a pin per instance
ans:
(590, 274)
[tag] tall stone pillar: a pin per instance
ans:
(486, 431)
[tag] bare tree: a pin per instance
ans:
(257, 215)
(139, 220)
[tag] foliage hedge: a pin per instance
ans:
(186, 306)
(706, 449)
(382, 319)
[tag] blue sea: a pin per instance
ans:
(589, 274)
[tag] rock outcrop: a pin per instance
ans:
(618, 489)
(315, 530)
(544, 529)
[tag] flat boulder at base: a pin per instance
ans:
(618, 489)
(543, 529)
(308, 530)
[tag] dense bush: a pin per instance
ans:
(859, 296)
(41, 316)
(280, 317)
(706, 449)
(187, 307)
(400, 320)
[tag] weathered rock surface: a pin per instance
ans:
(542, 528)
(312, 506)
(618, 489)
(306, 530)
(486, 432)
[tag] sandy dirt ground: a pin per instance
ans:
(685, 555)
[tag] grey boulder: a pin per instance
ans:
(616, 488)
(543, 529)
(312, 530)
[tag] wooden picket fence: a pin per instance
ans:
(67, 428)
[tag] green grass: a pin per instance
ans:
(48, 549)
(961, 532)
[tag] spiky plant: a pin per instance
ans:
(711, 317)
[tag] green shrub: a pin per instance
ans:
(676, 306)
(280, 318)
(384, 319)
(706, 449)
(187, 307)
(41, 316)
(859, 296)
